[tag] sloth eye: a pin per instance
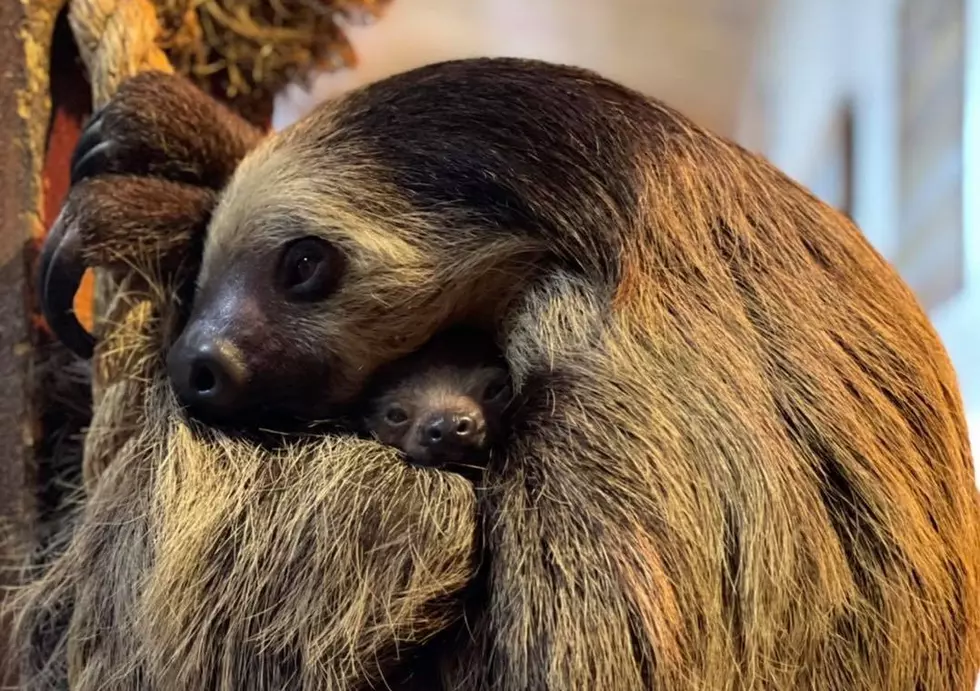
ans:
(396, 415)
(310, 269)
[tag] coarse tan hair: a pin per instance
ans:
(739, 460)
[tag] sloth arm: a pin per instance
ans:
(145, 176)
(581, 593)
(161, 125)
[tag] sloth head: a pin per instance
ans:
(426, 199)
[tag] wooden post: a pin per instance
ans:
(19, 221)
(39, 66)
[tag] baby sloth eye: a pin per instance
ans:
(396, 415)
(310, 269)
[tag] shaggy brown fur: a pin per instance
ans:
(740, 463)
(293, 551)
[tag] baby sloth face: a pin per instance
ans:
(441, 408)
(443, 415)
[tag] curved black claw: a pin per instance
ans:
(60, 272)
(92, 151)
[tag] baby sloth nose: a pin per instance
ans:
(209, 376)
(448, 428)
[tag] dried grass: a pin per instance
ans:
(247, 50)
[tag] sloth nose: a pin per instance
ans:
(448, 428)
(208, 376)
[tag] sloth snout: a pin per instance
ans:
(450, 429)
(208, 375)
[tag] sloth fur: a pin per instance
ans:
(739, 461)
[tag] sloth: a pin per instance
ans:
(740, 461)
(444, 405)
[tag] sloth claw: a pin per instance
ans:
(92, 162)
(91, 151)
(90, 136)
(60, 271)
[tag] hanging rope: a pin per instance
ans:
(117, 39)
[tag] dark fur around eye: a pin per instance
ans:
(310, 269)
(396, 415)
(495, 389)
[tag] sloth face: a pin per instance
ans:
(311, 281)
(244, 350)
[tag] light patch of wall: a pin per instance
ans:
(815, 53)
(693, 54)
(411, 34)
(959, 321)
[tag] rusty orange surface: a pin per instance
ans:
(70, 103)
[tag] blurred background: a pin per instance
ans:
(873, 104)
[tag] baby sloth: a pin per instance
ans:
(445, 404)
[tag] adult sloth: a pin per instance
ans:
(740, 461)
